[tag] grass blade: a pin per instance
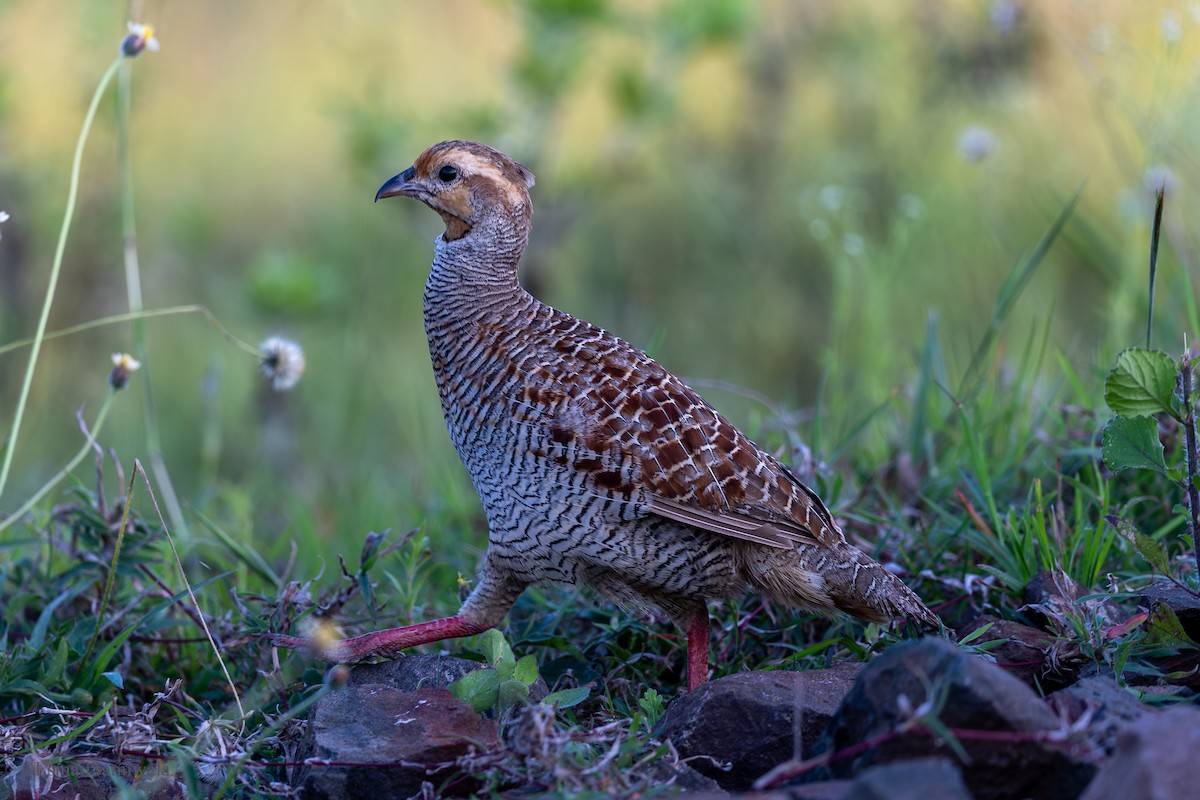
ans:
(1017, 280)
(1154, 233)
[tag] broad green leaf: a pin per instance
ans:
(1166, 628)
(512, 692)
(477, 689)
(1142, 383)
(526, 670)
(1153, 551)
(1133, 443)
(565, 698)
(494, 648)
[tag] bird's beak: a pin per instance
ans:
(399, 186)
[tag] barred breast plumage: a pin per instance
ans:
(593, 463)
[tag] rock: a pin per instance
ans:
(1154, 759)
(1111, 707)
(825, 790)
(978, 696)
(754, 720)
(84, 778)
(918, 779)
(1185, 605)
(1029, 654)
(410, 673)
(372, 724)
(420, 671)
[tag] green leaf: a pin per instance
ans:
(495, 650)
(526, 670)
(512, 692)
(975, 634)
(478, 689)
(1153, 551)
(565, 698)
(1133, 443)
(1166, 628)
(1142, 383)
(115, 679)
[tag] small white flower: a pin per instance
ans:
(282, 362)
(854, 245)
(1159, 177)
(911, 206)
(3, 218)
(832, 197)
(1004, 15)
(139, 38)
(1172, 30)
(123, 366)
(976, 143)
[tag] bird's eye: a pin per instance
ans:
(447, 174)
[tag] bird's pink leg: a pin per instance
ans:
(697, 649)
(386, 643)
(485, 608)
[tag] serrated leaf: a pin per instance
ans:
(565, 698)
(512, 692)
(1153, 551)
(477, 689)
(1132, 443)
(1142, 383)
(526, 670)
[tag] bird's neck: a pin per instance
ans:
(477, 274)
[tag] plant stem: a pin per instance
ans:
(65, 471)
(133, 288)
(55, 269)
(1189, 432)
(154, 312)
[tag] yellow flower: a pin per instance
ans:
(123, 366)
(139, 38)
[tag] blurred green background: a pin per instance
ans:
(778, 195)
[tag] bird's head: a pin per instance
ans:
(468, 184)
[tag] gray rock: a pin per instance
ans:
(413, 733)
(918, 779)
(421, 671)
(1155, 759)
(410, 673)
(754, 720)
(1111, 707)
(978, 696)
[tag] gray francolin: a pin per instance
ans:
(594, 464)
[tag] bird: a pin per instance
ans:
(593, 463)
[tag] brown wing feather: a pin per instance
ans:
(616, 414)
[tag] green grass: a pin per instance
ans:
(960, 447)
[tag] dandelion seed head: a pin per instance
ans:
(1172, 29)
(282, 362)
(1004, 15)
(124, 365)
(976, 143)
(139, 38)
(1159, 177)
